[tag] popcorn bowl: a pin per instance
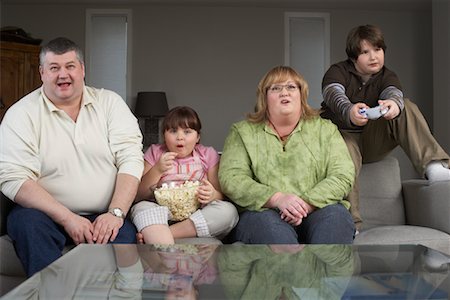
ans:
(180, 199)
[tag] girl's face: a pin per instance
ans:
(181, 141)
(371, 59)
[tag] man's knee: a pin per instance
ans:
(31, 221)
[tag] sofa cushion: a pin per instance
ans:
(405, 234)
(9, 263)
(380, 190)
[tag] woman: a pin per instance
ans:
(287, 169)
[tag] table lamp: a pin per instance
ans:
(151, 106)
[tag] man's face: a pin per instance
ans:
(62, 77)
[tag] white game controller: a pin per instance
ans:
(373, 113)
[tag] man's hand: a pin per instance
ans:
(106, 228)
(79, 229)
(355, 117)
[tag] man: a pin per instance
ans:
(71, 160)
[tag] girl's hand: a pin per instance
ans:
(206, 192)
(166, 161)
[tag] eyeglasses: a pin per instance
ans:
(279, 87)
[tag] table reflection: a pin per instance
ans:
(286, 271)
(206, 271)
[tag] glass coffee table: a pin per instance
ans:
(187, 271)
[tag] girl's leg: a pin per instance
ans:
(151, 220)
(220, 217)
(183, 229)
(158, 234)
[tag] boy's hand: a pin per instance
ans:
(393, 109)
(355, 117)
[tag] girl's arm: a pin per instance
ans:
(152, 175)
(213, 178)
(210, 188)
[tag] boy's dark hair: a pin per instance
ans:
(181, 116)
(370, 33)
(60, 46)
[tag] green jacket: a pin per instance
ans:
(314, 164)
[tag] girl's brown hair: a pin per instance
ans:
(181, 116)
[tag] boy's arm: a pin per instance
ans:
(394, 94)
(337, 101)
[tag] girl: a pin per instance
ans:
(182, 158)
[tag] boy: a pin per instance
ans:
(361, 82)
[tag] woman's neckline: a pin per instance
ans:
(284, 137)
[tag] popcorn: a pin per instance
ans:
(184, 248)
(181, 200)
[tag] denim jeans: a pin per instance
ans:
(39, 241)
(332, 224)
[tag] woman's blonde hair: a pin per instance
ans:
(276, 75)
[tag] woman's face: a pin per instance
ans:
(181, 141)
(283, 99)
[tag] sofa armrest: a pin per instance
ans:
(427, 204)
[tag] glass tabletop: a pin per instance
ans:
(238, 271)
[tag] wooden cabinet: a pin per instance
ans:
(19, 72)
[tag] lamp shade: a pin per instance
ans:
(151, 104)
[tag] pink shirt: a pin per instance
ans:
(192, 168)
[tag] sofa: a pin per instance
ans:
(402, 212)
(394, 212)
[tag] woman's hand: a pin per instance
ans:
(206, 192)
(292, 208)
(165, 162)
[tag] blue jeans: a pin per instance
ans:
(39, 241)
(332, 224)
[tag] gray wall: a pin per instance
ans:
(212, 57)
(441, 63)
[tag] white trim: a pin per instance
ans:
(127, 13)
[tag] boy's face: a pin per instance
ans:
(371, 59)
